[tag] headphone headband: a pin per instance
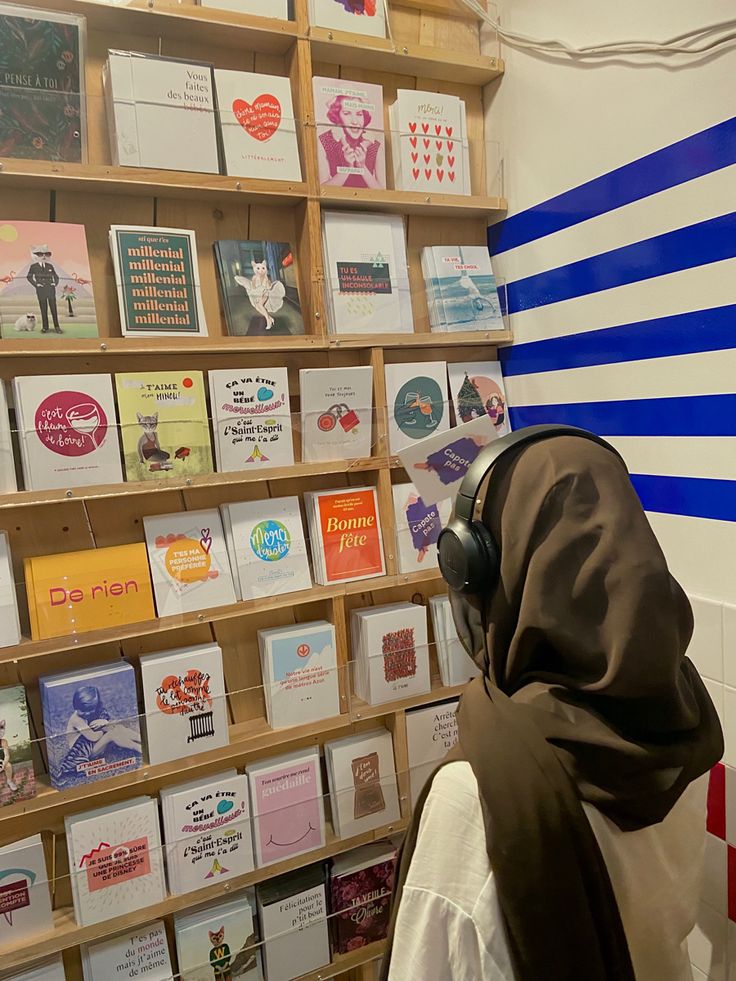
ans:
(493, 452)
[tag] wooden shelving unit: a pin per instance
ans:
(434, 45)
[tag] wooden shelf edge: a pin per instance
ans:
(347, 962)
(68, 934)
(103, 178)
(381, 54)
(167, 484)
(484, 338)
(413, 202)
(57, 645)
(229, 28)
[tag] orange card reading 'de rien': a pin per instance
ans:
(79, 591)
(351, 534)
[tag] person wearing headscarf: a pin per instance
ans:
(563, 840)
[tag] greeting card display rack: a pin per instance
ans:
(434, 45)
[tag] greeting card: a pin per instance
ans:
(251, 418)
(259, 288)
(190, 567)
(42, 98)
(477, 388)
(17, 777)
(438, 463)
(257, 125)
(45, 280)
(351, 144)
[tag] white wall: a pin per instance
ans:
(561, 123)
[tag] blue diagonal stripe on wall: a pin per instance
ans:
(696, 497)
(702, 153)
(694, 245)
(692, 415)
(683, 333)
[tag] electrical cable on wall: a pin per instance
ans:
(690, 42)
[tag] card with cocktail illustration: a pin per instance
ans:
(68, 431)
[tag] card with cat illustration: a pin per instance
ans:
(259, 288)
(46, 289)
(164, 424)
(219, 942)
(257, 124)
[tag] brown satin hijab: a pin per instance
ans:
(586, 696)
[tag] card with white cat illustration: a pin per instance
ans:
(45, 281)
(259, 288)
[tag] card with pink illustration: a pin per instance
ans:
(189, 563)
(257, 124)
(45, 281)
(287, 806)
(438, 463)
(429, 142)
(351, 143)
(67, 428)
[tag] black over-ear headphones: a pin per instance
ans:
(469, 558)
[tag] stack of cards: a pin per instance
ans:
(390, 652)
(461, 288)
(362, 777)
(184, 696)
(416, 398)
(345, 531)
(299, 670)
(477, 389)
(287, 806)
(141, 954)
(207, 831)
(431, 732)
(26, 903)
(429, 141)
(91, 723)
(251, 418)
(115, 860)
(268, 551)
(189, 562)
(367, 290)
(418, 527)
(336, 413)
(218, 943)
(293, 914)
(456, 666)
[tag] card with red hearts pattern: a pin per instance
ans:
(258, 126)
(430, 147)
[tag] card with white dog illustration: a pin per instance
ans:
(45, 281)
(259, 288)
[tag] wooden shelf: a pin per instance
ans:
(223, 28)
(347, 962)
(67, 933)
(413, 202)
(104, 179)
(381, 54)
(484, 338)
(248, 740)
(167, 484)
(57, 645)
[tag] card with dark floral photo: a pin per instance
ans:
(42, 92)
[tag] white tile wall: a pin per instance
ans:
(708, 944)
(728, 720)
(729, 644)
(706, 647)
(715, 884)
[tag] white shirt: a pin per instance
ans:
(449, 925)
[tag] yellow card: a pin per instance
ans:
(80, 591)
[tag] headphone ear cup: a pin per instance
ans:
(492, 558)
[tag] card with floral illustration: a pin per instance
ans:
(42, 97)
(361, 882)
